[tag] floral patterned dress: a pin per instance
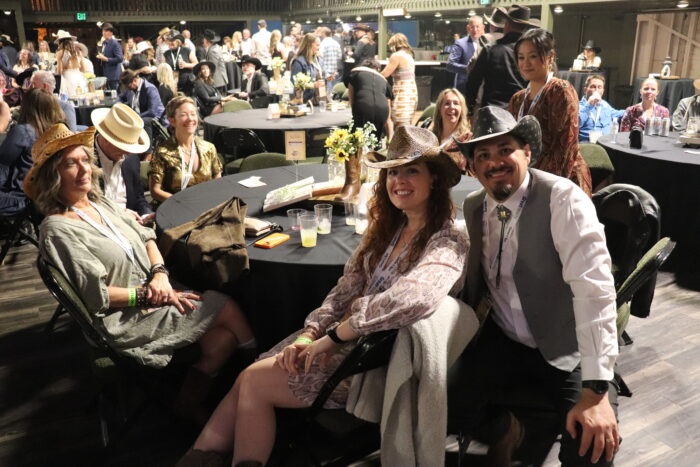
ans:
(557, 112)
(402, 300)
(634, 116)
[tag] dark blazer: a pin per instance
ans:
(460, 58)
(131, 173)
(5, 66)
(259, 87)
(207, 95)
(150, 104)
(112, 68)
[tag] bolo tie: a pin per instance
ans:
(503, 214)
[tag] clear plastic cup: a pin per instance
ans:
(309, 230)
(361, 220)
(293, 215)
(324, 214)
(350, 211)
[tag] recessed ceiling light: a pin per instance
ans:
(407, 16)
(558, 9)
(319, 21)
(308, 21)
(438, 14)
(358, 18)
(183, 22)
(338, 20)
(447, 21)
(682, 4)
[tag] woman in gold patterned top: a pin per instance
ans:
(183, 160)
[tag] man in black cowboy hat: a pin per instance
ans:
(254, 83)
(5, 60)
(364, 47)
(539, 262)
(214, 54)
(496, 66)
(111, 56)
(182, 60)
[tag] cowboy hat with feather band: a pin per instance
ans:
(121, 126)
(409, 145)
(51, 142)
(494, 121)
(61, 34)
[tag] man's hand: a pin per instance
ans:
(595, 98)
(599, 426)
(101, 57)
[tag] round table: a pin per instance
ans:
(288, 281)
(669, 173)
(82, 112)
(578, 79)
(269, 130)
(671, 91)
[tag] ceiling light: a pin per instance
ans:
(308, 21)
(558, 9)
(183, 22)
(447, 21)
(291, 21)
(438, 14)
(9, 12)
(338, 20)
(680, 4)
(407, 16)
(99, 24)
(358, 18)
(319, 21)
(472, 12)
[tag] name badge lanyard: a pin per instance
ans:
(538, 96)
(597, 116)
(508, 232)
(174, 57)
(112, 233)
(186, 176)
(383, 270)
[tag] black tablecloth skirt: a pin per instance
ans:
(578, 79)
(671, 175)
(671, 91)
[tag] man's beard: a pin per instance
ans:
(502, 193)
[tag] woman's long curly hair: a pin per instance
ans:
(385, 219)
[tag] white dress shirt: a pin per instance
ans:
(580, 241)
(261, 46)
(115, 188)
(247, 46)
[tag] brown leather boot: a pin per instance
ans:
(500, 453)
(351, 188)
(197, 458)
(190, 401)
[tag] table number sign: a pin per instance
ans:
(295, 145)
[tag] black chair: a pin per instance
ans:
(333, 437)
(23, 225)
(235, 144)
(125, 387)
(159, 133)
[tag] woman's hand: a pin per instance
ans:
(160, 291)
(318, 347)
(180, 300)
(287, 358)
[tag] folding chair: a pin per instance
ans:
(236, 105)
(21, 225)
(264, 160)
(599, 163)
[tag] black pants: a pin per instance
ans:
(497, 372)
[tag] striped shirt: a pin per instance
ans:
(331, 56)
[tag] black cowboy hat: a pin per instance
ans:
(138, 63)
(362, 27)
(211, 36)
(590, 44)
(494, 121)
(25, 75)
(5, 39)
(198, 66)
(253, 60)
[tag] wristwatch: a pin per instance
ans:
(599, 386)
(333, 334)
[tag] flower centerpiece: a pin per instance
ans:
(277, 66)
(90, 77)
(347, 145)
(301, 82)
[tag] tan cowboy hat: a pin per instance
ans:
(164, 31)
(121, 126)
(518, 14)
(497, 17)
(61, 34)
(408, 145)
(52, 141)
(5, 39)
(142, 46)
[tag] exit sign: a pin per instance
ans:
(484, 2)
(82, 16)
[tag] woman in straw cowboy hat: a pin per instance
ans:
(116, 268)
(410, 258)
(70, 64)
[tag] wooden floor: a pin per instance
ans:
(48, 412)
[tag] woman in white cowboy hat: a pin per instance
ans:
(116, 268)
(70, 64)
(410, 258)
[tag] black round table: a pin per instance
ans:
(671, 91)
(578, 79)
(288, 281)
(82, 112)
(669, 173)
(271, 131)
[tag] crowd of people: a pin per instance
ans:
(508, 121)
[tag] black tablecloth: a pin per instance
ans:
(82, 112)
(270, 131)
(578, 79)
(671, 175)
(671, 91)
(287, 281)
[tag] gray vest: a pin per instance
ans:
(546, 299)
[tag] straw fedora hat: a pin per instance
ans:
(53, 140)
(408, 145)
(494, 121)
(61, 34)
(122, 127)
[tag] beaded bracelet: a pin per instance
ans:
(132, 296)
(303, 340)
(142, 296)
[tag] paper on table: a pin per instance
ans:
(252, 182)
